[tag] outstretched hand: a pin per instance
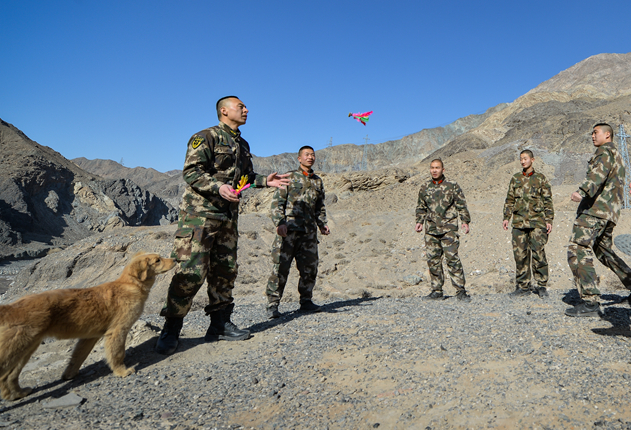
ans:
(278, 181)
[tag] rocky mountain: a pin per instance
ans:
(48, 202)
(168, 186)
(555, 119)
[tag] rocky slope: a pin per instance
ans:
(48, 202)
(555, 118)
(168, 186)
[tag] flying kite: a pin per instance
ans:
(361, 117)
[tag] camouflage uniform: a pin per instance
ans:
(301, 207)
(529, 202)
(440, 202)
(597, 215)
(205, 245)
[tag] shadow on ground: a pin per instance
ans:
(290, 316)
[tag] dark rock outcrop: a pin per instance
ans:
(48, 202)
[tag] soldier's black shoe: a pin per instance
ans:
(519, 293)
(463, 296)
(434, 295)
(272, 312)
(221, 328)
(309, 306)
(584, 310)
(542, 292)
(170, 335)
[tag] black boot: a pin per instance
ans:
(221, 328)
(168, 340)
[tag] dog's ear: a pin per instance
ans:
(142, 269)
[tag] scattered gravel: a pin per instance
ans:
(362, 363)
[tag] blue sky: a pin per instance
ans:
(133, 80)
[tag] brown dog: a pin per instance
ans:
(108, 310)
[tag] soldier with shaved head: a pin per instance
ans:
(205, 245)
(440, 203)
(529, 203)
(600, 197)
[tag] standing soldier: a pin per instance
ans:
(529, 202)
(440, 202)
(205, 245)
(600, 197)
(298, 212)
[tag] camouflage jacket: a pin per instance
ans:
(439, 205)
(602, 189)
(216, 156)
(529, 201)
(301, 205)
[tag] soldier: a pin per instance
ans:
(600, 197)
(440, 202)
(298, 212)
(529, 202)
(205, 245)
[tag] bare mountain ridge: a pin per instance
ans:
(47, 201)
(555, 118)
(350, 157)
(169, 186)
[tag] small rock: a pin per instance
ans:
(66, 401)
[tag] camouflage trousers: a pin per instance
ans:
(303, 247)
(436, 246)
(593, 236)
(529, 249)
(205, 250)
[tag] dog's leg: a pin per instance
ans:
(115, 352)
(11, 380)
(81, 351)
(16, 347)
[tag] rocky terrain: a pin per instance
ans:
(47, 202)
(378, 356)
(168, 186)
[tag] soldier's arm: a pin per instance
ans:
(548, 207)
(199, 171)
(254, 179)
(509, 203)
(421, 208)
(279, 203)
(461, 206)
(320, 211)
(597, 174)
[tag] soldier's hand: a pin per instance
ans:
(325, 230)
(549, 228)
(576, 197)
(505, 224)
(465, 227)
(227, 192)
(282, 230)
(278, 181)
(419, 227)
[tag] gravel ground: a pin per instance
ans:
(362, 363)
